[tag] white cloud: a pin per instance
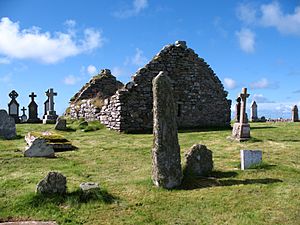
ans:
(229, 83)
(4, 61)
(272, 16)
(246, 13)
(264, 83)
(45, 47)
(246, 40)
(71, 80)
(117, 71)
(135, 9)
(139, 59)
(259, 98)
(91, 69)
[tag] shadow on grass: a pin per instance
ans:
(191, 183)
(283, 140)
(223, 174)
(203, 129)
(258, 128)
(73, 198)
(17, 137)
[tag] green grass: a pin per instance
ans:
(121, 164)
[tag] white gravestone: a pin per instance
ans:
(250, 158)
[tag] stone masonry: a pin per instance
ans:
(199, 94)
(88, 101)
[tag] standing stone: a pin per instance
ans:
(46, 107)
(33, 110)
(51, 116)
(295, 116)
(237, 109)
(13, 106)
(39, 148)
(7, 125)
(166, 165)
(199, 161)
(241, 130)
(254, 117)
(250, 158)
(61, 124)
(53, 183)
(23, 117)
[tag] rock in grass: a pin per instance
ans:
(199, 161)
(7, 125)
(53, 183)
(89, 186)
(61, 124)
(39, 148)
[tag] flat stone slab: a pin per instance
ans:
(57, 141)
(89, 186)
(250, 158)
(7, 125)
(30, 223)
(39, 148)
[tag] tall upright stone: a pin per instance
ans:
(241, 130)
(13, 106)
(33, 110)
(295, 115)
(23, 117)
(51, 116)
(166, 165)
(253, 107)
(237, 109)
(7, 125)
(46, 107)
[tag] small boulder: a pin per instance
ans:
(199, 161)
(61, 124)
(39, 148)
(53, 183)
(89, 186)
(7, 125)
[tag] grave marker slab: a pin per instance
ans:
(13, 106)
(7, 125)
(33, 110)
(250, 158)
(23, 117)
(51, 116)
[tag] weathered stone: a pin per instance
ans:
(7, 125)
(33, 110)
(89, 186)
(13, 106)
(253, 107)
(39, 148)
(61, 124)
(50, 117)
(53, 183)
(295, 116)
(250, 158)
(199, 161)
(166, 165)
(23, 117)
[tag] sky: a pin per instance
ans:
(62, 44)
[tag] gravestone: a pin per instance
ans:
(199, 161)
(46, 107)
(295, 116)
(39, 148)
(166, 165)
(7, 125)
(237, 109)
(33, 110)
(61, 124)
(250, 158)
(23, 117)
(241, 130)
(53, 183)
(254, 117)
(51, 116)
(13, 106)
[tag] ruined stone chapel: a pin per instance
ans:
(199, 94)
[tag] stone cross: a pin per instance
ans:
(50, 95)
(295, 116)
(23, 110)
(166, 165)
(244, 95)
(33, 110)
(254, 111)
(13, 106)
(13, 94)
(32, 96)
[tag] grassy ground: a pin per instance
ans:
(121, 164)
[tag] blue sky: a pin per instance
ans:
(61, 44)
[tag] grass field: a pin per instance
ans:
(121, 164)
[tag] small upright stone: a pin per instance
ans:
(250, 158)
(166, 165)
(7, 125)
(23, 117)
(61, 124)
(39, 148)
(199, 161)
(53, 183)
(295, 116)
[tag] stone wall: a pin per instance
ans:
(88, 101)
(199, 95)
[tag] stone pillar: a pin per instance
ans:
(295, 116)
(241, 130)
(254, 117)
(237, 109)
(166, 165)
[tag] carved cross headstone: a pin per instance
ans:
(23, 117)
(51, 116)
(13, 106)
(33, 110)
(51, 95)
(244, 95)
